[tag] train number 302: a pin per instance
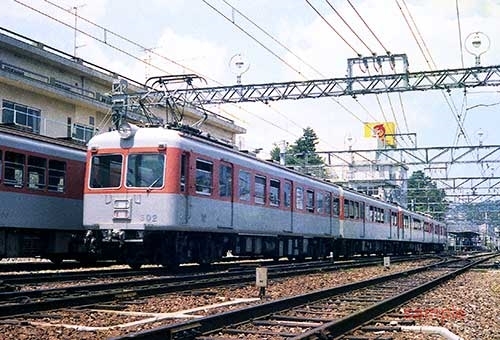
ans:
(149, 218)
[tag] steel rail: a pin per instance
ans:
(202, 328)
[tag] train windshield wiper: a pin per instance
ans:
(153, 184)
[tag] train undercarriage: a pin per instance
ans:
(54, 245)
(172, 248)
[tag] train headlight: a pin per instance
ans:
(127, 130)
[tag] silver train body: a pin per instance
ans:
(163, 196)
(41, 195)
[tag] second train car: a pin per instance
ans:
(41, 195)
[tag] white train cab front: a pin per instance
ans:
(128, 188)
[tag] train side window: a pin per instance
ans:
(225, 181)
(1, 167)
(183, 172)
(244, 185)
(394, 219)
(204, 175)
(381, 215)
(347, 207)
(358, 210)
(260, 189)
(406, 221)
(14, 169)
(287, 194)
(328, 203)
(319, 202)
(299, 198)
(336, 206)
(36, 172)
(310, 200)
(57, 176)
(274, 192)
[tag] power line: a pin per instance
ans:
(107, 43)
(329, 25)
(254, 39)
(231, 20)
(423, 50)
(368, 27)
(271, 37)
(459, 34)
(349, 26)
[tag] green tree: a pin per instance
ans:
(302, 153)
(424, 195)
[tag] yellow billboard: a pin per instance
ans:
(384, 131)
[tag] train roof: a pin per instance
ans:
(33, 142)
(153, 136)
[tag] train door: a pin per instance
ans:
(362, 214)
(184, 185)
(226, 192)
(342, 213)
(287, 202)
(401, 234)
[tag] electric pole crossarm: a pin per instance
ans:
(335, 87)
(425, 156)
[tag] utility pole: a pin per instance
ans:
(75, 46)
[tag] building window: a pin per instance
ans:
(204, 175)
(21, 115)
(82, 132)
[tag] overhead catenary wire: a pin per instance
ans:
(272, 37)
(333, 28)
(349, 26)
(430, 63)
(368, 27)
(232, 21)
(459, 34)
(253, 38)
(373, 53)
(110, 45)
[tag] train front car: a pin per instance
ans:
(128, 192)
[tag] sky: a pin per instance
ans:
(287, 40)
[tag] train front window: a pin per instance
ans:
(145, 170)
(106, 171)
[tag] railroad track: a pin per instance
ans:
(29, 301)
(15, 281)
(324, 314)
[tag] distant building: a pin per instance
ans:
(49, 92)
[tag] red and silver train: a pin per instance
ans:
(41, 195)
(164, 196)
